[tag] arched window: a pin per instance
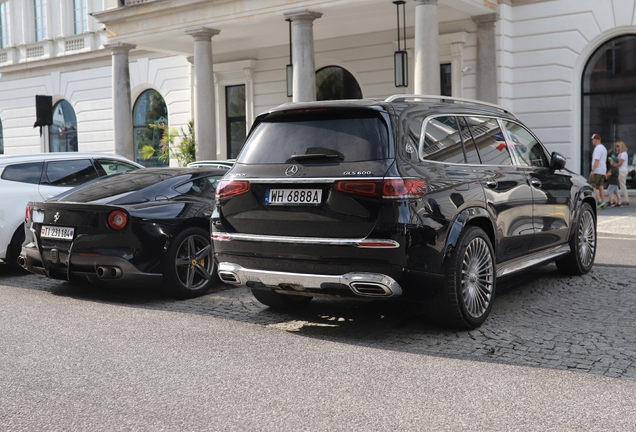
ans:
(608, 94)
(150, 110)
(1, 139)
(335, 83)
(63, 131)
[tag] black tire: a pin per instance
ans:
(582, 244)
(189, 268)
(465, 300)
(279, 301)
(14, 250)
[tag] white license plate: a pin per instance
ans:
(63, 233)
(293, 197)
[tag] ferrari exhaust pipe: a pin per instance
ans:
(109, 272)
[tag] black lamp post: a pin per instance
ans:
(290, 66)
(400, 57)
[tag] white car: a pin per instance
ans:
(37, 177)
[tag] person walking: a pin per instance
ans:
(612, 179)
(623, 167)
(599, 169)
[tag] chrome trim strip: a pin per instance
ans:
(306, 240)
(524, 262)
(302, 281)
(304, 179)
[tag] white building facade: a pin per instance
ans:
(112, 67)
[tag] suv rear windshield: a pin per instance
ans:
(309, 139)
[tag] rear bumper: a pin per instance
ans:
(360, 284)
(104, 269)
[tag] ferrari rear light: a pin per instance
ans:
(230, 188)
(409, 188)
(117, 220)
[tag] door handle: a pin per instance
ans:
(535, 182)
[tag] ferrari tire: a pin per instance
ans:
(189, 268)
(14, 250)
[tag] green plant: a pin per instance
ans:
(183, 152)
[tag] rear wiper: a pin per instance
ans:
(314, 156)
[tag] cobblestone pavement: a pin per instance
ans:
(542, 319)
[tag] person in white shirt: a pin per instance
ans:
(599, 169)
(623, 167)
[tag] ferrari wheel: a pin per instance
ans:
(189, 265)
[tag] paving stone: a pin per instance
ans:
(541, 319)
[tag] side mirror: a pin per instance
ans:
(557, 161)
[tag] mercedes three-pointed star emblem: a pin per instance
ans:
(291, 170)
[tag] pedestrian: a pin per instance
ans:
(623, 167)
(612, 180)
(599, 169)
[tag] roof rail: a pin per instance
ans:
(403, 97)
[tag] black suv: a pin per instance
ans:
(425, 197)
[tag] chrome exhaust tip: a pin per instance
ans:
(229, 273)
(22, 262)
(229, 277)
(370, 289)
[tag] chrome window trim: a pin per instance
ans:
(499, 122)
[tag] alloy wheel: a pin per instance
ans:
(193, 263)
(477, 277)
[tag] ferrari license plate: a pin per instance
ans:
(293, 197)
(63, 233)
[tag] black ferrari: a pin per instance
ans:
(142, 227)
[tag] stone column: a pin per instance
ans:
(191, 71)
(426, 80)
(304, 83)
(486, 57)
(457, 81)
(204, 98)
(122, 111)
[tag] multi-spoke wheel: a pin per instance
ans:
(477, 284)
(189, 264)
(582, 244)
(466, 298)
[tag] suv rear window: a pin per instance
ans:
(24, 173)
(338, 139)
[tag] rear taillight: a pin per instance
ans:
(117, 220)
(384, 189)
(28, 213)
(230, 188)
